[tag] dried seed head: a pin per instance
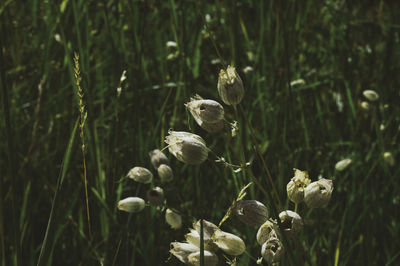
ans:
(208, 111)
(187, 147)
(272, 250)
(182, 251)
(343, 164)
(291, 222)
(230, 86)
(295, 188)
(155, 196)
(371, 95)
(210, 258)
(173, 219)
(318, 193)
(131, 204)
(158, 158)
(141, 175)
(165, 173)
(229, 243)
(265, 232)
(389, 159)
(251, 212)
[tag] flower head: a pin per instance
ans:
(251, 212)
(295, 188)
(173, 218)
(187, 147)
(141, 175)
(318, 193)
(230, 86)
(131, 204)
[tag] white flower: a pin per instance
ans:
(371, 95)
(230, 86)
(131, 204)
(187, 147)
(343, 164)
(318, 193)
(141, 175)
(173, 219)
(291, 222)
(229, 243)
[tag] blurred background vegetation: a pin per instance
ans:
(340, 48)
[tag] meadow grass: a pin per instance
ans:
(339, 48)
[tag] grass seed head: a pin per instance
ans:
(230, 86)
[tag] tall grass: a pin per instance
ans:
(337, 47)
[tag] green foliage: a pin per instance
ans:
(340, 48)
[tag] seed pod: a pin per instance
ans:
(141, 175)
(343, 164)
(131, 204)
(291, 222)
(371, 95)
(173, 219)
(213, 127)
(155, 196)
(209, 111)
(251, 212)
(389, 159)
(318, 193)
(182, 251)
(230, 86)
(157, 158)
(265, 232)
(229, 243)
(165, 173)
(272, 250)
(210, 259)
(295, 188)
(187, 147)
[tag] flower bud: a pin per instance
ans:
(318, 193)
(213, 127)
(371, 95)
(141, 175)
(157, 158)
(229, 243)
(291, 222)
(187, 147)
(265, 232)
(230, 86)
(182, 251)
(165, 173)
(295, 188)
(173, 219)
(155, 196)
(343, 164)
(251, 212)
(202, 110)
(131, 204)
(272, 250)
(388, 157)
(210, 259)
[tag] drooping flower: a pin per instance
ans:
(295, 188)
(173, 218)
(141, 175)
(158, 158)
(318, 193)
(187, 147)
(272, 250)
(165, 173)
(291, 222)
(251, 212)
(230, 86)
(131, 204)
(155, 196)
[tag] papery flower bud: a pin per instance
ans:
(229, 243)
(389, 159)
(210, 259)
(155, 196)
(208, 229)
(187, 147)
(173, 219)
(318, 193)
(291, 222)
(295, 188)
(251, 212)
(272, 250)
(343, 164)
(158, 158)
(141, 175)
(265, 232)
(209, 111)
(371, 95)
(365, 106)
(131, 204)
(230, 86)
(182, 251)
(165, 173)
